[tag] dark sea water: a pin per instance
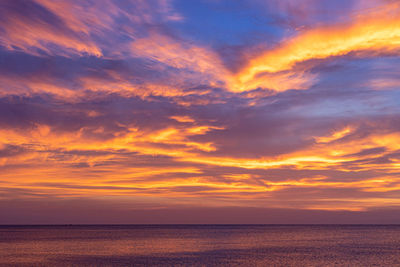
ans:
(200, 245)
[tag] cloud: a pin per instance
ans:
(115, 100)
(376, 33)
(32, 28)
(123, 146)
(183, 56)
(71, 28)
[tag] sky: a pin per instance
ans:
(201, 111)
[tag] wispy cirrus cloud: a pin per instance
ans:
(375, 32)
(281, 105)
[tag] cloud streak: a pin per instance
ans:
(376, 32)
(124, 103)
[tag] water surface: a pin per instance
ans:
(200, 245)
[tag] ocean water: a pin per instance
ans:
(200, 245)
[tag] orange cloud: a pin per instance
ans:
(185, 56)
(106, 174)
(377, 32)
(335, 136)
(68, 27)
(181, 158)
(31, 34)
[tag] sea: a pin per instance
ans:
(200, 245)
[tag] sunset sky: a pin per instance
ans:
(199, 111)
